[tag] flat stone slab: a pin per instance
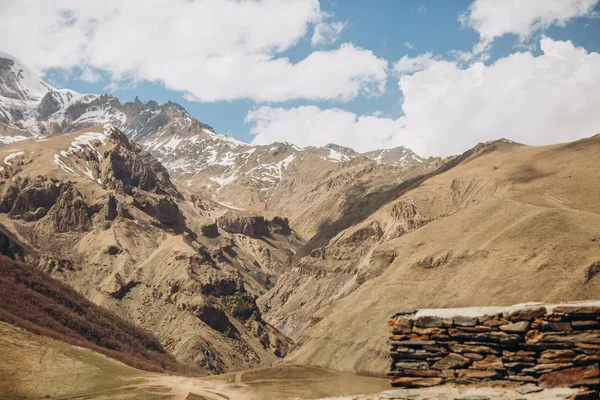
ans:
(453, 392)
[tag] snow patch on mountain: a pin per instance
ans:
(84, 143)
(12, 139)
(12, 156)
(336, 156)
(398, 156)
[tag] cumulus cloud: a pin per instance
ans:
(493, 19)
(409, 45)
(448, 108)
(212, 49)
(312, 126)
(327, 33)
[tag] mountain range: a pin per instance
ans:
(237, 255)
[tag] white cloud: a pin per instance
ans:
(327, 33)
(409, 45)
(413, 64)
(422, 9)
(312, 126)
(493, 19)
(89, 75)
(213, 49)
(535, 100)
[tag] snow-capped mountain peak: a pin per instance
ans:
(19, 82)
(193, 152)
(399, 156)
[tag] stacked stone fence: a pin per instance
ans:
(545, 345)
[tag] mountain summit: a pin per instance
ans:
(196, 155)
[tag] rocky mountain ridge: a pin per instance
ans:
(96, 211)
(196, 156)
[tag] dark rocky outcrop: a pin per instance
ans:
(162, 208)
(253, 225)
(113, 250)
(129, 167)
(9, 246)
(124, 289)
(30, 200)
(225, 286)
(249, 225)
(242, 305)
(8, 198)
(70, 213)
(111, 211)
(280, 226)
(210, 230)
(271, 338)
(216, 319)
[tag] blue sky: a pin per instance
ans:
(387, 28)
(383, 27)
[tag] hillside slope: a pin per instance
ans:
(97, 212)
(508, 224)
(32, 300)
(36, 367)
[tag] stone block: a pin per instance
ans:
(527, 314)
(416, 382)
(400, 365)
(585, 325)
(515, 327)
(478, 373)
(578, 376)
(464, 321)
(564, 326)
(452, 361)
(489, 362)
(576, 310)
(466, 348)
(474, 356)
(592, 337)
(428, 322)
(556, 355)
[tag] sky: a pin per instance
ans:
(436, 76)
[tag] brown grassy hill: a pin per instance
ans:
(507, 224)
(32, 300)
(34, 367)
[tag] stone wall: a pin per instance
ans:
(545, 345)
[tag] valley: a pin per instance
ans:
(266, 271)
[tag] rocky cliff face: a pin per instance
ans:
(97, 211)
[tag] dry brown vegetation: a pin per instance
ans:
(32, 300)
